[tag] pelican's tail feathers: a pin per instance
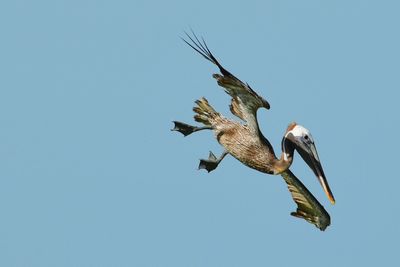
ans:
(205, 113)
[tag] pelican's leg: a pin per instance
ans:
(187, 129)
(212, 162)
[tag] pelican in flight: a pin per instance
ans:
(245, 142)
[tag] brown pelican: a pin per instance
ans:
(245, 142)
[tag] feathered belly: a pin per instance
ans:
(246, 148)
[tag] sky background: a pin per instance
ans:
(91, 175)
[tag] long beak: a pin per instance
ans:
(309, 153)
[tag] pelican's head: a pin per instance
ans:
(302, 141)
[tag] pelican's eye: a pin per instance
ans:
(306, 137)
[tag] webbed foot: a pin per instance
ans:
(212, 162)
(209, 164)
(187, 129)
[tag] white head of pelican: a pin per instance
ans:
(300, 139)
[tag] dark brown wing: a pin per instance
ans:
(308, 207)
(245, 101)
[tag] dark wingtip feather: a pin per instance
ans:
(202, 48)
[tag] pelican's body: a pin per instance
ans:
(245, 142)
(250, 148)
(239, 141)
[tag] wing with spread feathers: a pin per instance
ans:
(245, 101)
(308, 207)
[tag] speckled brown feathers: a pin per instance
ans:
(241, 143)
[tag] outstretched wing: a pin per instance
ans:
(245, 101)
(308, 207)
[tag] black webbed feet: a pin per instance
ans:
(187, 129)
(209, 164)
(183, 128)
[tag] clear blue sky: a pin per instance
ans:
(90, 174)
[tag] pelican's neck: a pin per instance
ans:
(286, 158)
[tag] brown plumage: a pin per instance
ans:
(238, 139)
(245, 142)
